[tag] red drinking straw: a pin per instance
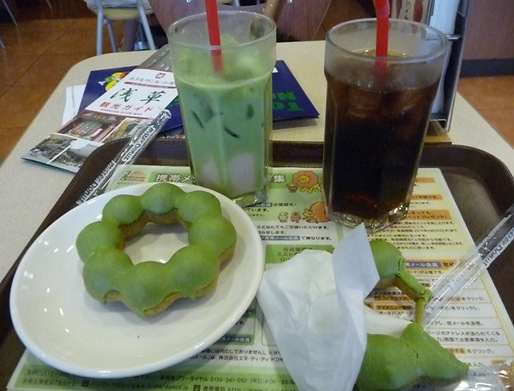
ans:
(382, 10)
(213, 26)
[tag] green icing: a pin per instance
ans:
(102, 270)
(148, 283)
(387, 365)
(439, 364)
(98, 235)
(123, 209)
(215, 231)
(388, 260)
(198, 204)
(397, 363)
(107, 268)
(194, 267)
(144, 286)
(161, 198)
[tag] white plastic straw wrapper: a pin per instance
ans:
(144, 133)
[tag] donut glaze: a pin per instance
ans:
(150, 287)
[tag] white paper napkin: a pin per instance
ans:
(313, 305)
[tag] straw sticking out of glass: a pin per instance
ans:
(211, 8)
(382, 10)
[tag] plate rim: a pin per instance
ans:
(141, 369)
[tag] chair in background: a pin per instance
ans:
(297, 20)
(105, 17)
(6, 6)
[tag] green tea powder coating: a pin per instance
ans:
(149, 287)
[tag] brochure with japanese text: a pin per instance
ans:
(289, 99)
(140, 95)
(116, 99)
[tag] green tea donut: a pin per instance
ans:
(150, 287)
(391, 363)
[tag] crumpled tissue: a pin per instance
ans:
(313, 304)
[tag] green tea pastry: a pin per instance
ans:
(150, 287)
(390, 265)
(397, 363)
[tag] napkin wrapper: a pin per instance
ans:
(313, 305)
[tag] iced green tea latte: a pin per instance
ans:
(227, 113)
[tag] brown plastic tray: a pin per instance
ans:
(481, 185)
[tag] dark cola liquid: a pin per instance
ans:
(372, 147)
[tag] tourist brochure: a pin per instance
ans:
(476, 326)
(116, 100)
(141, 95)
(289, 99)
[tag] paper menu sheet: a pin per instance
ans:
(476, 327)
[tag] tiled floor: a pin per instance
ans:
(39, 52)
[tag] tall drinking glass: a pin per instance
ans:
(377, 114)
(226, 100)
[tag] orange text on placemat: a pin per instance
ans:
(433, 214)
(427, 197)
(425, 179)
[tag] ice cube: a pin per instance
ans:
(243, 173)
(363, 103)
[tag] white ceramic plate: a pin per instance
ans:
(62, 325)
